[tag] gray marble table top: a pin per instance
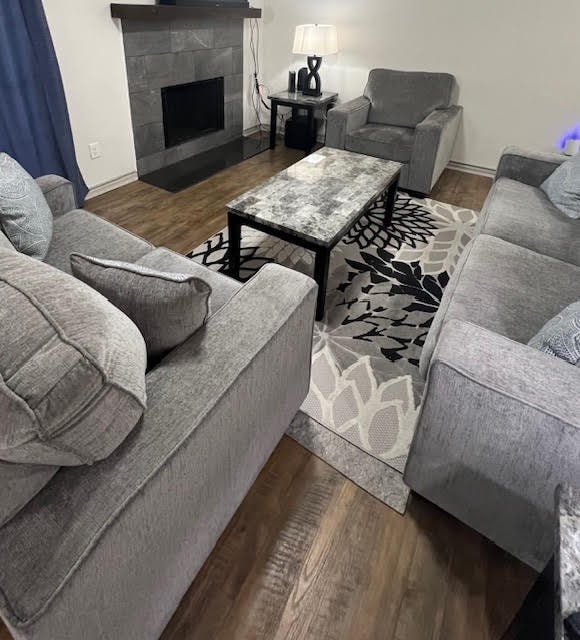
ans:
(567, 557)
(298, 98)
(320, 197)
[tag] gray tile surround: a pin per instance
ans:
(162, 54)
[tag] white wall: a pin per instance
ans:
(89, 47)
(517, 61)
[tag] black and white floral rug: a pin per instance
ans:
(385, 286)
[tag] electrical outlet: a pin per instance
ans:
(95, 150)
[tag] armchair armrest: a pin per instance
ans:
(527, 166)
(499, 429)
(344, 119)
(59, 194)
(434, 141)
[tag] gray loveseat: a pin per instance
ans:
(408, 116)
(499, 427)
(107, 551)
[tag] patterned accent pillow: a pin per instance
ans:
(563, 187)
(167, 308)
(560, 337)
(25, 216)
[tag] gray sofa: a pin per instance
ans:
(107, 551)
(499, 426)
(408, 116)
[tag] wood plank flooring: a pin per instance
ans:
(309, 555)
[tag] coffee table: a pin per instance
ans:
(313, 204)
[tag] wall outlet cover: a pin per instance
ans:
(95, 150)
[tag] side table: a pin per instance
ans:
(296, 101)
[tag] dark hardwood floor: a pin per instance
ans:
(309, 555)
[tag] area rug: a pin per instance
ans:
(385, 286)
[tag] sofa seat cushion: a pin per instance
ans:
(524, 215)
(223, 288)
(5, 243)
(506, 289)
(19, 483)
(72, 367)
(79, 231)
(382, 141)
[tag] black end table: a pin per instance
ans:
(296, 101)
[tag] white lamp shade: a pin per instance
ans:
(315, 39)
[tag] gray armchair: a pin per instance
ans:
(408, 116)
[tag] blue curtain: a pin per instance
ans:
(34, 122)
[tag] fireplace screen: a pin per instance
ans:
(192, 110)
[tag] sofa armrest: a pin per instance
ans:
(527, 166)
(344, 119)
(59, 193)
(499, 429)
(434, 141)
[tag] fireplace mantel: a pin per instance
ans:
(172, 12)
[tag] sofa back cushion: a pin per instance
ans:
(405, 98)
(25, 216)
(72, 367)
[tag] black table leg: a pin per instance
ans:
(321, 267)
(390, 202)
(235, 240)
(311, 132)
(273, 124)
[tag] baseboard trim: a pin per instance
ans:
(255, 129)
(472, 168)
(105, 187)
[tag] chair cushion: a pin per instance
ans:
(382, 141)
(563, 187)
(19, 483)
(504, 288)
(524, 215)
(405, 98)
(72, 367)
(25, 216)
(167, 307)
(222, 287)
(79, 231)
(560, 336)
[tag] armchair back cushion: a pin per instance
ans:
(405, 98)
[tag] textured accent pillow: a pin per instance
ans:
(72, 367)
(25, 216)
(561, 336)
(563, 187)
(167, 307)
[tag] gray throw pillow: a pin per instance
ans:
(72, 367)
(563, 187)
(167, 307)
(25, 216)
(561, 336)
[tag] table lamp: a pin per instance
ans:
(315, 41)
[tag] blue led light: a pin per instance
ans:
(572, 134)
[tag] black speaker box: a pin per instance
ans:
(297, 135)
